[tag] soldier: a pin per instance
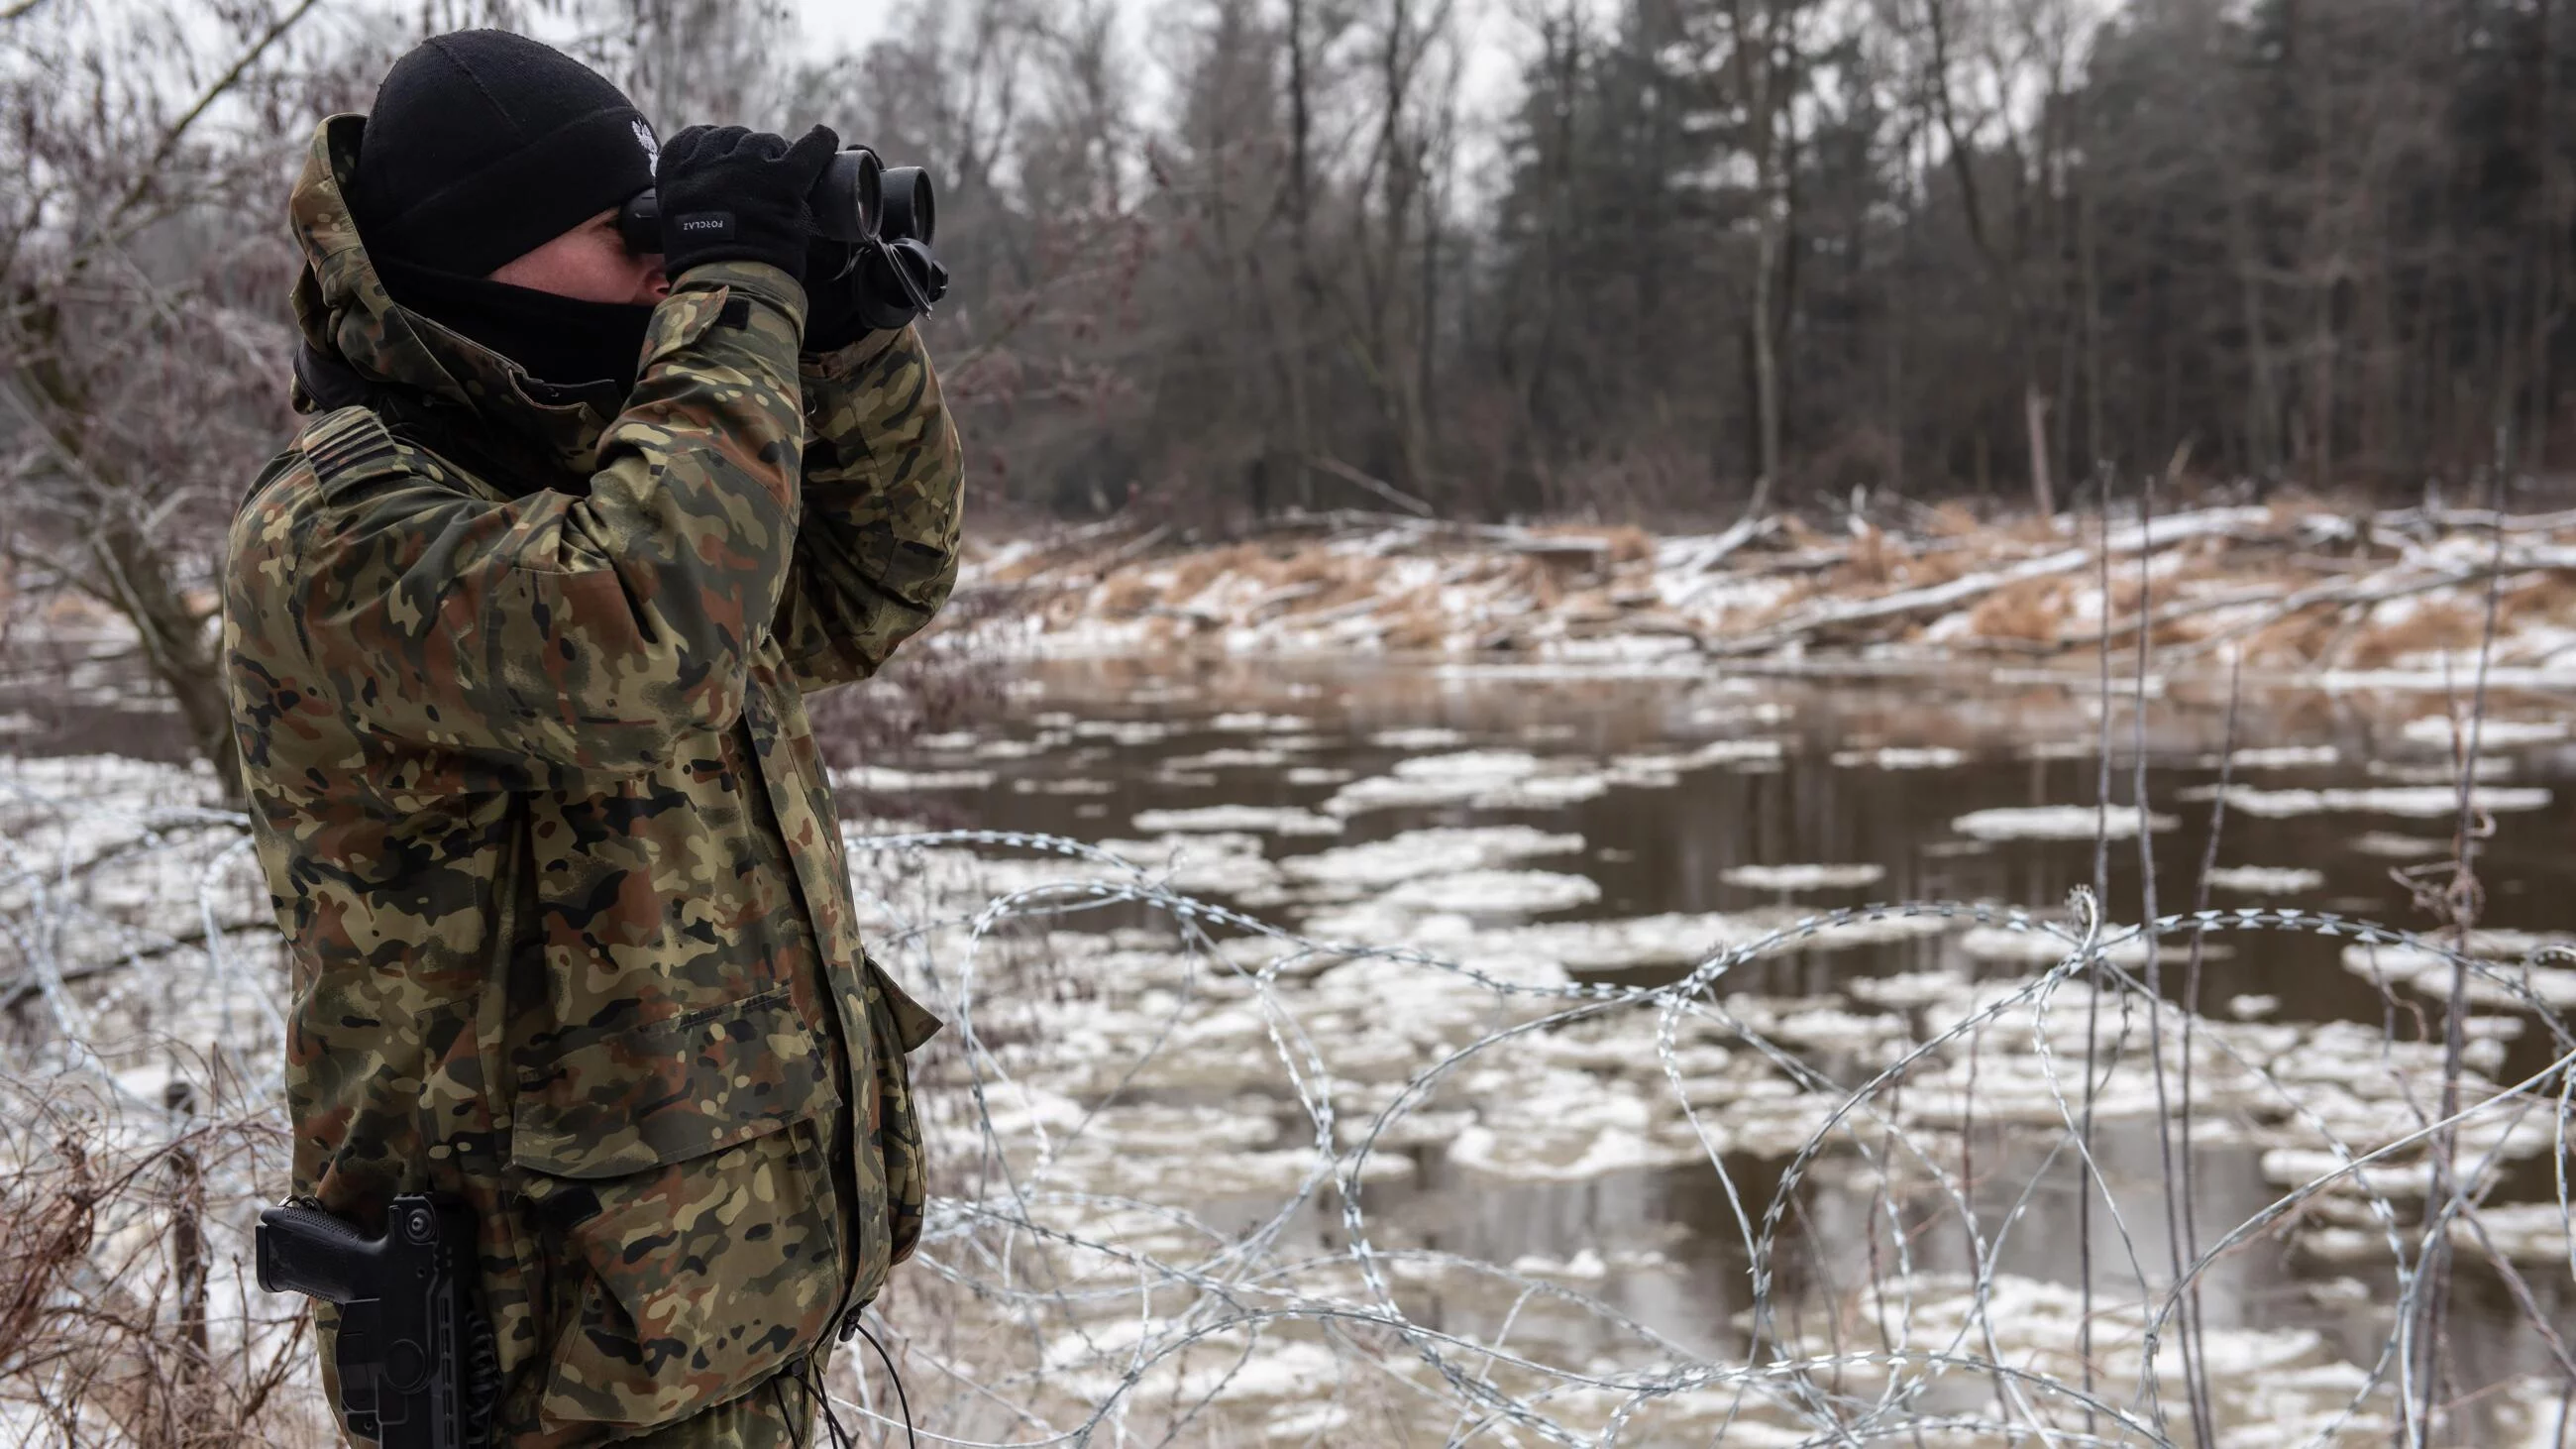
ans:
(518, 632)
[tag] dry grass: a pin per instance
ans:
(126, 1312)
(2299, 638)
(1125, 596)
(1628, 543)
(47, 1221)
(2430, 625)
(2546, 599)
(1193, 572)
(1416, 626)
(2029, 611)
(1874, 559)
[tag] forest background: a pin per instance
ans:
(1219, 259)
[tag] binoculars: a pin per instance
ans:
(882, 219)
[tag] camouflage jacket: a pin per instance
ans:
(519, 690)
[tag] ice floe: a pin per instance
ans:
(2056, 822)
(1270, 819)
(1418, 853)
(2389, 845)
(2498, 734)
(2428, 802)
(1933, 757)
(2265, 880)
(1789, 879)
(887, 780)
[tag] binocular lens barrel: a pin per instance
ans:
(911, 209)
(850, 196)
(855, 200)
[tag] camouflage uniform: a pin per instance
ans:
(519, 689)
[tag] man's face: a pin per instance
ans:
(589, 263)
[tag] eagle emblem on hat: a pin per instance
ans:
(652, 148)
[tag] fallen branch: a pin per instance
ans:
(1387, 491)
(1887, 606)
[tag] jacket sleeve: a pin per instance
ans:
(550, 633)
(876, 555)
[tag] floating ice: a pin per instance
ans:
(1791, 878)
(886, 780)
(1123, 731)
(1254, 722)
(2264, 880)
(2389, 845)
(2056, 822)
(2425, 802)
(1496, 892)
(1555, 1125)
(2285, 757)
(1715, 752)
(2442, 729)
(1933, 757)
(1034, 785)
(1017, 749)
(1418, 853)
(1220, 864)
(2429, 971)
(1423, 738)
(2484, 767)
(1480, 779)
(2039, 948)
(1272, 819)
(1229, 759)
(2524, 1233)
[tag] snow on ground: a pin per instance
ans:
(2397, 606)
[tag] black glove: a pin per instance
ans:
(852, 291)
(735, 194)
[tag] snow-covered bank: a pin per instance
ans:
(2391, 599)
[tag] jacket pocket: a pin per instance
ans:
(897, 1027)
(679, 1177)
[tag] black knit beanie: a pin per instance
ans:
(485, 145)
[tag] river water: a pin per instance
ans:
(1871, 772)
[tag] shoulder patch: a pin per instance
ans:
(351, 451)
(347, 441)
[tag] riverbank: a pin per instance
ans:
(2293, 588)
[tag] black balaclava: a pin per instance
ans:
(482, 146)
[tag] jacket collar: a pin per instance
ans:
(362, 346)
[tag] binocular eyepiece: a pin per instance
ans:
(857, 199)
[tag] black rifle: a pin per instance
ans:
(417, 1370)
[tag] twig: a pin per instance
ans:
(1381, 488)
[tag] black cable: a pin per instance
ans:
(805, 1377)
(895, 1379)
